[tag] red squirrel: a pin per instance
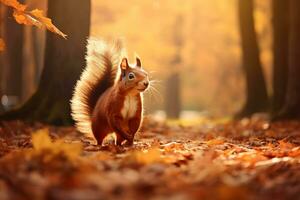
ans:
(108, 96)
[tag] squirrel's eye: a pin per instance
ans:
(131, 76)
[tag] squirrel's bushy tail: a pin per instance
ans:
(102, 64)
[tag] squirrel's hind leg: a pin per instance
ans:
(100, 138)
(99, 135)
(119, 139)
(99, 131)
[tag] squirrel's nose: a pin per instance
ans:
(146, 83)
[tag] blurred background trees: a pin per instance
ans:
(256, 91)
(280, 22)
(12, 58)
(173, 92)
(291, 105)
(211, 57)
(63, 64)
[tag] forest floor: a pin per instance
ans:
(247, 159)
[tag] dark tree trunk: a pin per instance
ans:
(64, 60)
(173, 97)
(1, 58)
(29, 71)
(280, 52)
(37, 43)
(256, 92)
(11, 58)
(291, 109)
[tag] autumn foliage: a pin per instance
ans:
(33, 18)
(2, 45)
(247, 159)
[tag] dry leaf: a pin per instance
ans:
(216, 141)
(173, 146)
(47, 22)
(14, 4)
(285, 145)
(34, 17)
(295, 152)
(146, 157)
(41, 141)
(2, 44)
(186, 169)
(23, 18)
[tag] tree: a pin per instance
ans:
(37, 43)
(256, 92)
(12, 56)
(280, 21)
(64, 60)
(172, 100)
(33, 52)
(1, 59)
(291, 107)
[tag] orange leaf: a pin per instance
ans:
(173, 146)
(47, 22)
(2, 45)
(146, 157)
(41, 141)
(295, 152)
(285, 145)
(23, 18)
(14, 4)
(34, 17)
(215, 141)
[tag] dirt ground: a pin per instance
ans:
(247, 159)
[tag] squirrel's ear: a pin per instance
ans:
(138, 62)
(124, 64)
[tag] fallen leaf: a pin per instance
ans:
(216, 141)
(2, 44)
(272, 161)
(295, 152)
(146, 157)
(173, 146)
(41, 141)
(285, 145)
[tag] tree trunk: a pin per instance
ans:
(29, 71)
(33, 52)
(291, 109)
(256, 92)
(173, 98)
(11, 58)
(38, 38)
(1, 58)
(64, 61)
(280, 52)
(38, 45)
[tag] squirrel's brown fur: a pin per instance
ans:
(104, 100)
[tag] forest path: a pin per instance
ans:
(247, 159)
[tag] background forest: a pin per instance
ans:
(194, 63)
(222, 114)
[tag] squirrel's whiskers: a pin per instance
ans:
(153, 91)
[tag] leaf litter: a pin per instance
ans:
(246, 159)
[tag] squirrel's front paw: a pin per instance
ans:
(128, 143)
